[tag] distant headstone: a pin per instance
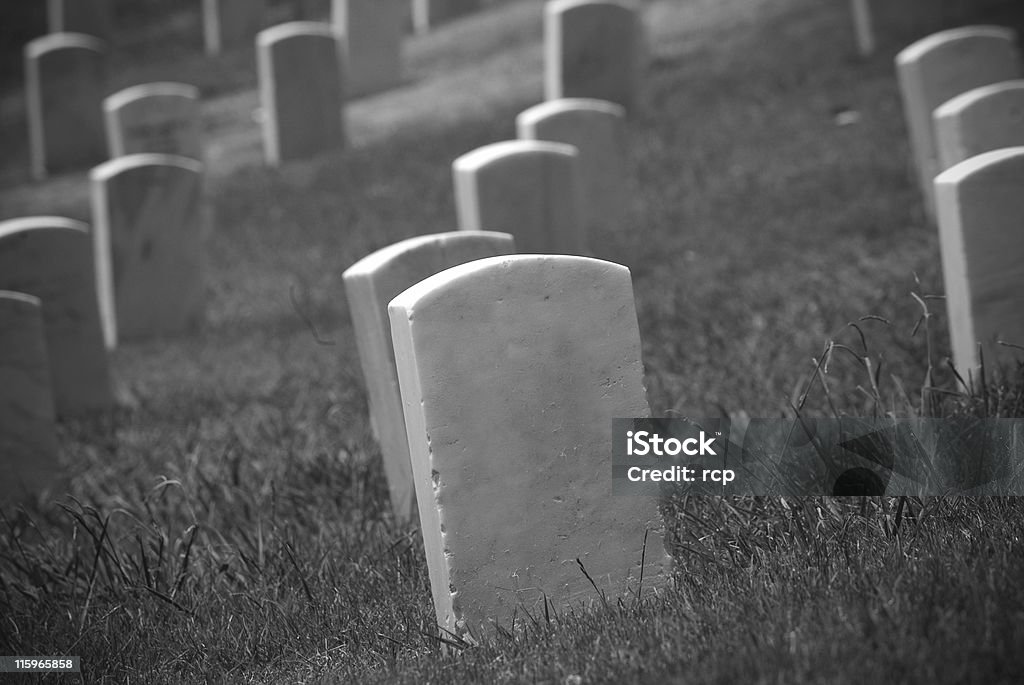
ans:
(528, 188)
(597, 130)
(593, 49)
(147, 231)
(511, 370)
(370, 284)
(940, 67)
(64, 87)
(427, 14)
(154, 117)
(980, 205)
(28, 436)
(302, 90)
(371, 33)
(980, 120)
(52, 258)
(230, 23)
(91, 17)
(862, 27)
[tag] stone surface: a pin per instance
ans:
(528, 188)
(593, 49)
(980, 205)
(511, 370)
(426, 14)
(372, 32)
(154, 117)
(597, 129)
(91, 17)
(942, 66)
(64, 87)
(301, 90)
(864, 32)
(52, 258)
(980, 120)
(370, 284)
(148, 231)
(231, 23)
(28, 437)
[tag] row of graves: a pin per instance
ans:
(516, 513)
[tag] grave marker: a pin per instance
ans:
(64, 83)
(154, 117)
(980, 120)
(52, 258)
(511, 370)
(426, 14)
(528, 188)
(230, 23)
(147, 232)
(862, 27)
(91, 17)
(301, 90)
(372, 33)
(370, 284)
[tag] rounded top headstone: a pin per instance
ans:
(27, 223)
(57, 41)
(482, 156)
(293, 29)
(143, 90)
(915, 50)
(966, 100)
(373, 261)
(987, 163)
(143, 159)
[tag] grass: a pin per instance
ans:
(230, 522)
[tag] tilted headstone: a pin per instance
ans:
(980, 205)
(980, 120)
(426, 14)
(593, 49)
(230, 23)
(154, 117)
(147, 231)
(302, 90)
(91, 17)
(28, 436)
(370, 284)
(528, 188)
(64, 88)
(511, 370)
(371, 33)
(52, 258)
(940, 67)
(597, 130)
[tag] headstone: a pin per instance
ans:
(942, 66)
(593, 49)
(980, 205)
(980, 120)
(147, 232)
(91, 17)
(28, 436)
(427, 14)
(301, 90)
(52, 258)
(64, 84)
(370, 284)
(371, 33)
(597, 130)
(862, 27)
(230, 23)
(511, 370)
(154, 117)
(528, 188)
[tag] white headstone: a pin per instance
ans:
(52, 258)
(154, 117)
(91, 17)
(301, 90)
(64, 84)
(980, 120)
(528, 188)
(371, 33)
(940, 67)
(511, 370)
(980, 205)
(370, 284)
(426, 14)
(230, 23)
(148, 231)
(862, 27)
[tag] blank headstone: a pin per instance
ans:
(28, 437)
(596, 129)
(980, 204)
(980, 120)
(147, 230)
(426, 14)
(940, 67)
(91, 17)
(64, 88)
(52, 258)
(230, 23)
(154, 117)
(371, 33)
(528, 188)
(370, 284)
(593, 49)
(511, 370)
(862, 27)
(301, 90)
